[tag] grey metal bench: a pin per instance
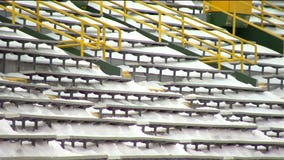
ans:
(113, 93)
(51, 11)
(23, 41)
(276, 130)
(132, 41)
(50, 119)
(35, 55)
(113, 139)
(44, 102)
(28, 87)
(73, 76)
(71, 23)
(33, 138)
(140, 109)
(255, 143)
(12, 26)
(231, 101)
(209, 87)
(152, 55)
(253, 115)
(180, 125)
(278, 76)
(188, 70)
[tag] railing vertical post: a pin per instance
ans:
(124, 10)
(101, 8)
(13, 12)
(104, 42)
(182, 30)
(242, 57)
(82, 39)
(262, 13)
(160, 26)
(219, 54)
(234, 19)
(38, 15)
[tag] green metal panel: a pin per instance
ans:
(262, 38)
(223, 20)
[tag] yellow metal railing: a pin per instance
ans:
(92, 42)
(235, 17)
(263, 14)
(162, 28)
(241, 40)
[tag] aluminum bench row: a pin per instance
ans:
(65, 157)
(45, 102)
(113, 93)
(230, 101)
(50, 119)
(132, 41)
(73, 76)
(23, 41)
(253, 115)
(71, 23)
(209, 87)
(12, 26)
(174, 69)
(27, 86)
(278, 76)
(188, 6)
(51, 11)
(84, 139)
(257, 144)
(51, 57)
(140, 109)
(265, 64)
(152, 55)
(276, 130)
(197, 125)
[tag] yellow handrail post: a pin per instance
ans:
(101, 8)
(13, 12)
(82, 39)
(242, 57)
(104, 43)
(124, 10)
(37, 15)
(262, 13)
(160, 26)
(182, 30)
(234, 19)
(219, 54)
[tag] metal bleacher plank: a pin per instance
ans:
(152, 55)
(23, 40)
(73, 76)
(231, 101)
(209, 86)
(51, 157)
(139, 108)
(174, 69)
(34, 55)
(124, 93)
(11, 25)
(27, 86)
(170, 157)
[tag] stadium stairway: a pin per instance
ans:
(75, 111)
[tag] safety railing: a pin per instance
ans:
(208, 25)
(92, 42)
(219, 54)
(235, 18)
